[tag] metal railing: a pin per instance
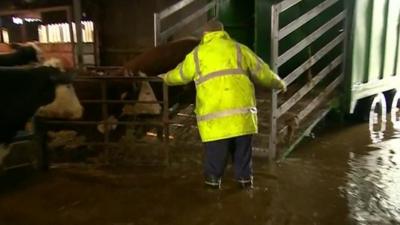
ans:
(105, 76)
(279, 59)
(161, 33)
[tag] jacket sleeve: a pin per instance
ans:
(260, 71)
(184, 73)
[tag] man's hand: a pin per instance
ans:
(283, 86)
(279, 84)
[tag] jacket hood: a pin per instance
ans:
(209, 36)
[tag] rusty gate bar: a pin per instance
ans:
(165, 118)
(93, 101)
(43, 125)
(165, 121)
(94, 122)
(104, 112)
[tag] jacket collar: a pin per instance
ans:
(209, 36)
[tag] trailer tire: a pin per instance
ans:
(395, 110)
(377, 116)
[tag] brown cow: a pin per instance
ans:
(159, 60)
(162, 58)
(155, 61)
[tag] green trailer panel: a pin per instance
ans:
(238, 19)
(377, 36)
(373, 49)
(360, 41)
(391, 38)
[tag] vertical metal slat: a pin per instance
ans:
(78, 28)
(165, 120)
(157, 31)
(104, 111)
(274, 94)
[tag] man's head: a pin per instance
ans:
(212, 26)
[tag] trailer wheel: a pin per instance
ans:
(377, 117)
(395, 110)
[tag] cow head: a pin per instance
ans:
(29, 50)
(65, 104)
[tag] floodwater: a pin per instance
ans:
(347, 174)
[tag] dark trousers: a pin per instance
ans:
(217, 154)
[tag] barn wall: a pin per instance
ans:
(126, 27)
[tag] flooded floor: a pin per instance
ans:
(346, 175)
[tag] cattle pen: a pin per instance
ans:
(310, 61)
(101, 78)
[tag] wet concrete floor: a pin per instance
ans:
(346, 175)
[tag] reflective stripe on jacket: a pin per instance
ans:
(222, 70)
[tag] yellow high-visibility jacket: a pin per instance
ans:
(222, 70)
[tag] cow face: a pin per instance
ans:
(65, 104)
(31, 49)
(23, 90)
(21, 54)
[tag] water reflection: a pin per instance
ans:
(373, 185)
(377, 118)
(395, 114)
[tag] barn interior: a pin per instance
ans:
(114, 33)
(109, 40)
(135, 156)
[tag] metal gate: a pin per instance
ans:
(102, 78)
(163, 32)
(322, 83)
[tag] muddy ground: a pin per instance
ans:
(345, 175)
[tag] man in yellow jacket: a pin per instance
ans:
(223, 71)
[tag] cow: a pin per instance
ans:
(64, 96)
(21, 54)
(24, 90)
(153, 62)
(159, 60)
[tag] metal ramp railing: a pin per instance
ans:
(280, 105)
(162, 32)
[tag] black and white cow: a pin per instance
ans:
(26, 90)
(22, 54)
